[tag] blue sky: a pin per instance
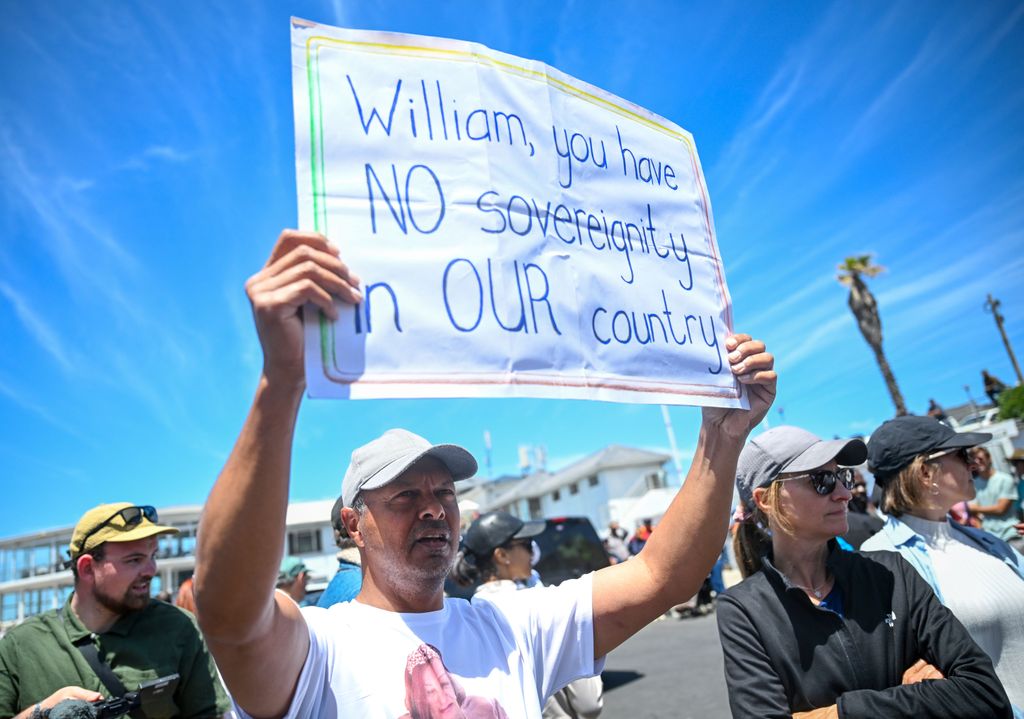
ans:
(147, 155)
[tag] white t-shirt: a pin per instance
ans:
(499, 656)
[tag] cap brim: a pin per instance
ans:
(965, 439)
(142, 531)
(460, 464)
(529, 529)
(847, 452)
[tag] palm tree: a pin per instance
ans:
(862, 303)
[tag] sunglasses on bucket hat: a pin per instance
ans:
(824, 481)
(131, 516)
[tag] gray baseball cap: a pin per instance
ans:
(789, 449)
(381, 461)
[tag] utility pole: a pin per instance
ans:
(672, 444)
(992, 305)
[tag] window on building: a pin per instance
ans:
(574, 488)
(6, 565)
(167, 546)
(556, 495)
(655, 480)
(9, 607)
(41, 559)
(592, 480)
(304, 541)
(534, 507)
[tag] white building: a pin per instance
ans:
(617, 482)
(621, 483)
(33, 578)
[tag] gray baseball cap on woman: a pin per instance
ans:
(789, 449)
(381, 461)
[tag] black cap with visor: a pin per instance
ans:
(897, 442)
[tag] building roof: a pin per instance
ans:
(611, 457)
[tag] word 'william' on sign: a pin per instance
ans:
(518, 232)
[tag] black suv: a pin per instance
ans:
(569, 548)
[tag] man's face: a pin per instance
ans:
(121, 580)
(410, 528)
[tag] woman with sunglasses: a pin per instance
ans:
(815, 631)
(498, 551)
(924, 468)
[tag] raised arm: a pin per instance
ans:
(257, 635)
(688, 539)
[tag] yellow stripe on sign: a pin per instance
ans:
(481, 59)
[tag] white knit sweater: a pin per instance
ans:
(984, 594)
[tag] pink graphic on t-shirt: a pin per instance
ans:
(431, 692)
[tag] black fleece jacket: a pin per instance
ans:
(785, 655)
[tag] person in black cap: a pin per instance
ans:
(818, 630)
(400, 508)
(924, 468)
(498, 550)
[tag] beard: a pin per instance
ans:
(124, 604)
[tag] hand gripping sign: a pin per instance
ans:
(518, 232)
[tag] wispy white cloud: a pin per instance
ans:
(20, 398)
(156, 154)
(38, 328)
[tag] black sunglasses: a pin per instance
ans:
(824, 481)
(129, 515)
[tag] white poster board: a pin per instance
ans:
(519, 233)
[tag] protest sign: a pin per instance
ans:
(518, 232)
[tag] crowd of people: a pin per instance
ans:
(923, 621)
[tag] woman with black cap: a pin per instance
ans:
(815, 631)
(498, 551)
(924, 468)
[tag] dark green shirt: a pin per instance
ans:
(39, 657)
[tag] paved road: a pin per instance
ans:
(672, 669)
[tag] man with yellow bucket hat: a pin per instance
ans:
(110, 637)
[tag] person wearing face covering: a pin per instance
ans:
(924, 468)
(498, 550)
(817, 632)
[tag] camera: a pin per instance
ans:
(151, 694)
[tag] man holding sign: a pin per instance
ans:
(401, 648)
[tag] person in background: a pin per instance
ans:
(862, 520)
(924, 468)
(993, 386)
(110, 619)
(1017, 462)
(292, 578)
(815, 631)
(935, 410)
(497, 550)
(347, 581)
(996, 499)
(186, 598)
(615, 543)
(640, 537)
